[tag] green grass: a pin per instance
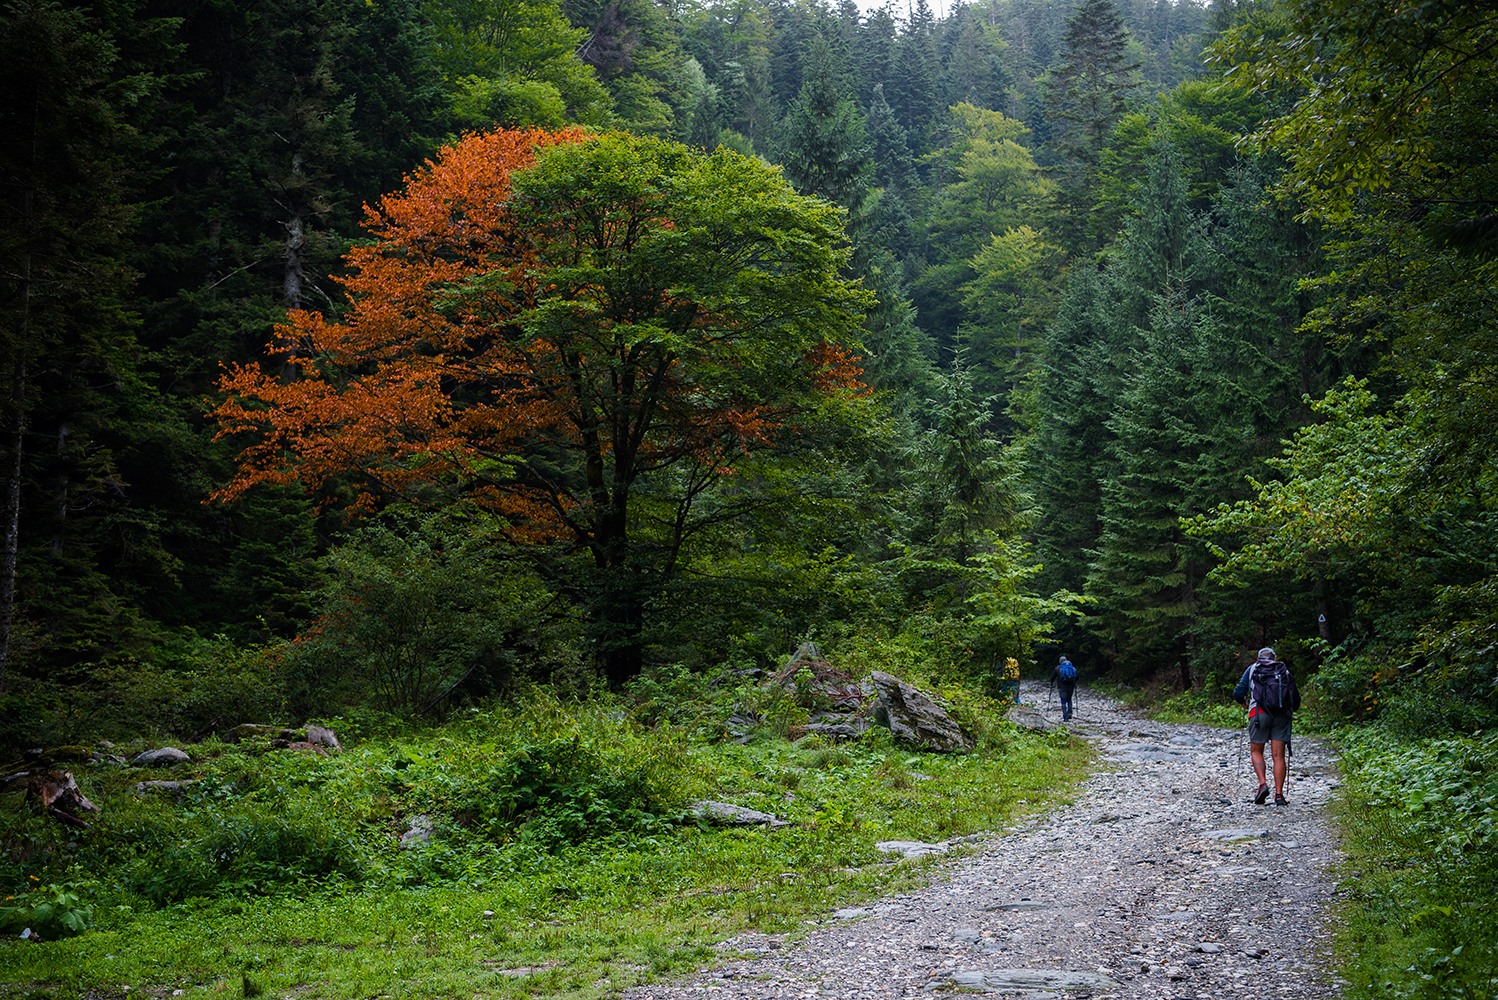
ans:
(1420, 866)
(314, 899)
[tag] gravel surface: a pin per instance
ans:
(1162, 880)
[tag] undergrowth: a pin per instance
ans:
(1420, 865)
(563, 859)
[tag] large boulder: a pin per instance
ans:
(809, 672)
(913, 715)
(728, 814)
(260, 731)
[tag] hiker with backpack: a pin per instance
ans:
(1064, 679)
(1272, 699)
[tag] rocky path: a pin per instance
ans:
(1162, 880)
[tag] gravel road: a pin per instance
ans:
(1162, 880)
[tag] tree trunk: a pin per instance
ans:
(17, 439)
(60, 491)
(13, 490)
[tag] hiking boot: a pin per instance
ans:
(1280, 800)
(1263, 794)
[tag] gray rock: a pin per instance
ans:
(1029, 717)
(171, 787)
(259, 731)
(837, 730)
(913, 715)
(1149, 753)
(420, 829)
(164, 757)
(910, 848)
(1236, 833)
(727, 814)
(966, 935)
(1023, 904)
(1029, 982)
(1185, 740)
(1209, 948)
(323, 737)
(852, 912)
(1179, 916)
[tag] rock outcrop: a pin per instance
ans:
(915, 716)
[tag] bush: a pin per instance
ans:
(1422, 826)
(411, 616)
(216, 847)
(547, 776)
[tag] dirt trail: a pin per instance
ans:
(1162, 880)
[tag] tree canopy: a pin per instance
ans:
(545, 319)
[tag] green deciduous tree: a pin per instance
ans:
(1392, 147)
(593, 353)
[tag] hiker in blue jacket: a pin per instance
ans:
(1268, 679)
(1064, 677)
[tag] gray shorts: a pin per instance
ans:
(1268, 726)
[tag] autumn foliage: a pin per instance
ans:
(544, 318)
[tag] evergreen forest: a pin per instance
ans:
(1150, 332)
(512, 386)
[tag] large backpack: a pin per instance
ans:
(1068, 672)
(1273, 688)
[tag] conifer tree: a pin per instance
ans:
(65, 347)
(1083, 101)
(894, 167)
(824, 148)
(914, 89)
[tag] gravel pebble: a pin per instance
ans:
(1162, 880)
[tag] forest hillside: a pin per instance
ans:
(1151, 332)
(516, 386)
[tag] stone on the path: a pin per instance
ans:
(728, 814)
(164, 757)
(1236, 833)
(1023, 904)
(1030, 981)
(1209, 948)
(1149, 753)
(1185, 740)
(910, 848)
(913, 715)
(852, 912)
(966, 935)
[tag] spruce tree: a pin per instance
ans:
(824, 148)
(894, 167)
(1084, 98)
(914, 89)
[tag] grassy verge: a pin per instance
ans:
(1420, 866)
(562, 863)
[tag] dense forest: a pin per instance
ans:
(390, 355)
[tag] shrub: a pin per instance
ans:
(247, 847)
(410, 615)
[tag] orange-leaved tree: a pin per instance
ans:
(544, 323)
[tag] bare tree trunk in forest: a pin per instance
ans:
(60, 490)
(17, 435)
